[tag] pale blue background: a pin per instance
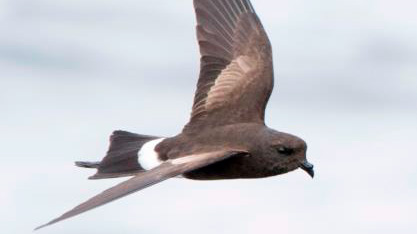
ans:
(71, 71)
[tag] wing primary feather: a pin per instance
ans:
(228, 11)
(252, 9)
(212, 20)
(244, 6)
(207, 48)
(221, 12)
(217, 14)
(170, 168)
(205, 37)
(211, 25)
(238, 7)
(234, 13)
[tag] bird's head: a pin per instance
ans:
(289, 153)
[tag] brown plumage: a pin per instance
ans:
(226, 137)
(236, 76)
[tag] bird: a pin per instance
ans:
(226, 136)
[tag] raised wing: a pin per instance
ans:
(236, 76)
(168, 169)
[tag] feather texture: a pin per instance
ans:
(236, 77)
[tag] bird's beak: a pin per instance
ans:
(307, 167)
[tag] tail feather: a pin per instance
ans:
(87, 164)
(121, 158)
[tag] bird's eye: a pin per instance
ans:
(284, 150)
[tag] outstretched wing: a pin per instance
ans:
(236, 76)
(168, 169)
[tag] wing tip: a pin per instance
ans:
(40, 227)
(51, 222)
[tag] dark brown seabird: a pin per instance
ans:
(226, 137)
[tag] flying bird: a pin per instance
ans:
(226, 136)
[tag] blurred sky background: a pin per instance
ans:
(72, 71)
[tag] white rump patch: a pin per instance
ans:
(147, 156)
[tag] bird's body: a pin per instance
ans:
(226, 137)
(253, 140)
